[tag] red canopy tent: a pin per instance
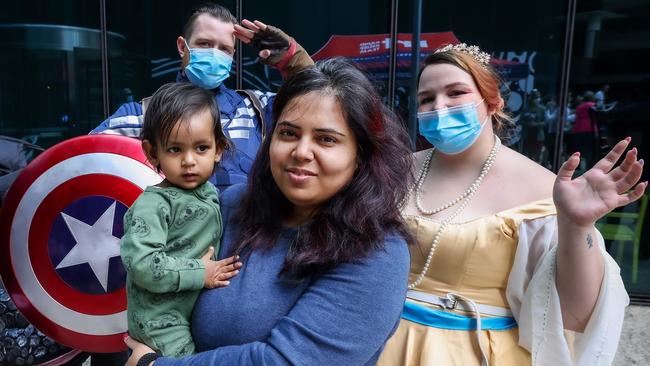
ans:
(371, 52)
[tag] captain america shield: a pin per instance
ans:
(61, 225)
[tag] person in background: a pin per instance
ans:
(508, 268)
(600, 96)
(206, 47)
(534, 126)
(551, 122)
(584, 130)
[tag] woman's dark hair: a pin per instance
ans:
(214, 10)
(177, 102)
(355, 221)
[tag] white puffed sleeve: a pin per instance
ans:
(533, 298)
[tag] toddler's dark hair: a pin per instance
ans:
(178, 102)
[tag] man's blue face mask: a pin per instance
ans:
(451, 130)
(208, 67)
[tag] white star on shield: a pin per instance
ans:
(95, 244)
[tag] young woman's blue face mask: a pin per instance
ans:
(451, 130)
(208, 67)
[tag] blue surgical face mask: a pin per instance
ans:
(451, 130)
(208, 67)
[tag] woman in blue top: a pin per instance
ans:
(319, 231)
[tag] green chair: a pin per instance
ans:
(628, 229)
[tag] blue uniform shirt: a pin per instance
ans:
(238, 119)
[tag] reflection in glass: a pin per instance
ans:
(610, 88)
(50, 80)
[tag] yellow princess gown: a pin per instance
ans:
(505, 260)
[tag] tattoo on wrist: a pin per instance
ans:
(590, 241)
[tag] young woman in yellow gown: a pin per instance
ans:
(508, 268)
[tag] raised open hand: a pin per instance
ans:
(587, 198)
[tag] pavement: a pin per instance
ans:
(634, 347)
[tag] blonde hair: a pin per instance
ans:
(486, 80)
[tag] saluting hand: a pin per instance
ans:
(271, 42)
(249, 31)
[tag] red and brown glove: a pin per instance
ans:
(286, 54)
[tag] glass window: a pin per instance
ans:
(50, 69)
(610, 97)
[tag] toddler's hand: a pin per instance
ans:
(217, 273)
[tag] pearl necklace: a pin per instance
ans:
(464, 198)
(472, 188)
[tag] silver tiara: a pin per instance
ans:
(482, 57)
